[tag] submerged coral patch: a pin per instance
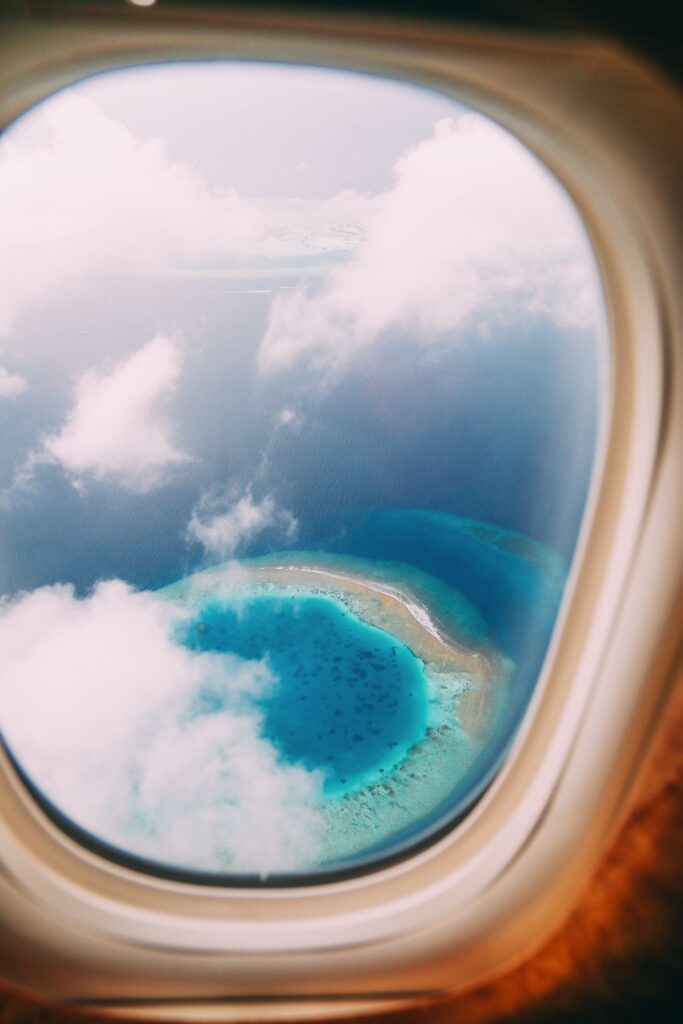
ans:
(369, 690)
(350, 699)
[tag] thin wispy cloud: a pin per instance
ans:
(223, 523)
(287, 417)
(124, 745)
(11, 384)
(474, 225)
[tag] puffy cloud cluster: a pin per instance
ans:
(11, 384)
(81, 195)
(474, 225)
(102, 708)
(116, 426)
(222, 523)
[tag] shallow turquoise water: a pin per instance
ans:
(349, 699)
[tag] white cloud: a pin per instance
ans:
(11, 384)
(99, 704)
(474, 225)
(81, 195)
(222, 524)
(117, 426)
(288, 418)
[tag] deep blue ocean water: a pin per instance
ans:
(500, 429)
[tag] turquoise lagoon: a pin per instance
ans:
(351, 700)
(389, 681)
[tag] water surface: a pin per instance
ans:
(349, 699)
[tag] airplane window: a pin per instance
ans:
(301, 382)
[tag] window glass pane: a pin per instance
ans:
(300, 381)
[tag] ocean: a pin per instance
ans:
(460, 469)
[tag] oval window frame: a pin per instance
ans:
(495, 872)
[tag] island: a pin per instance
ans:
(392, 699)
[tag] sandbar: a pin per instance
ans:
(469, 678)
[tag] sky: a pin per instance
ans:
(273, 131)
(345, 211)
